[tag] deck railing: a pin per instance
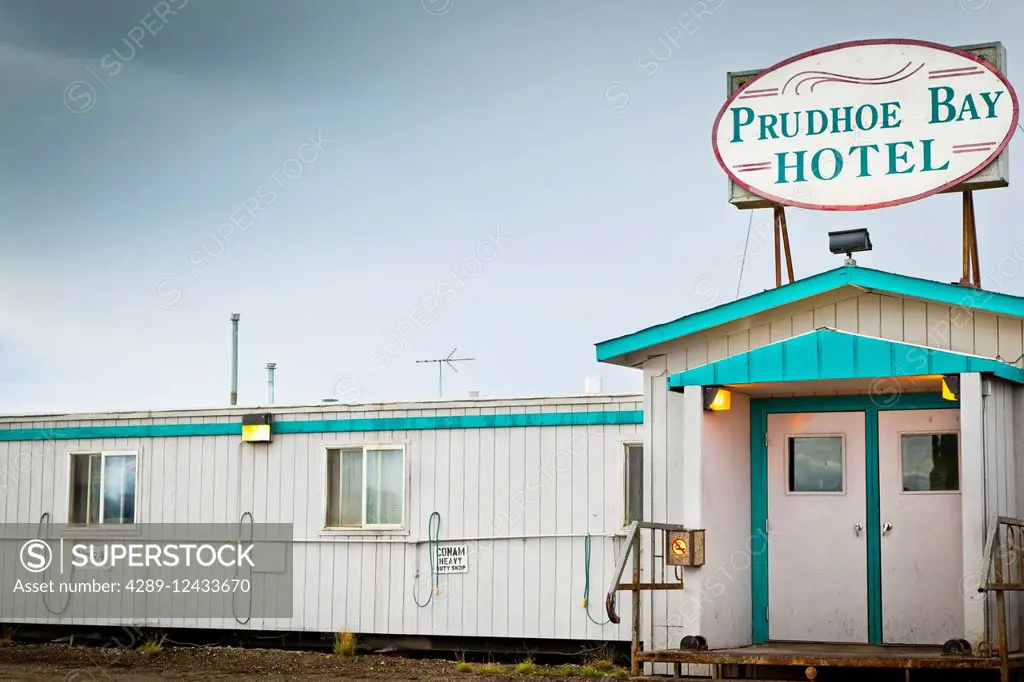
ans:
(1003, 571)
(631, 546)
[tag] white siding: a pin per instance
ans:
(499, 490)
(1003, 468)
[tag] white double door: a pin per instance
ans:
(818, 536)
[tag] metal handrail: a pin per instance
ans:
(632, 546)
(632, 539)
(993, 580)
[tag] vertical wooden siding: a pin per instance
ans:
(496, 490)
(883, 316)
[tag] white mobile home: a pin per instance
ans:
(528, 486)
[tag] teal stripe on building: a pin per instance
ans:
(487, 421)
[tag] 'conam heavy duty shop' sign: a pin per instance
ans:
(865, 125)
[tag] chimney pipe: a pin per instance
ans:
(234, 358)
(271, 366)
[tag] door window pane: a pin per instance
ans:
(816, 464)
(931, 462)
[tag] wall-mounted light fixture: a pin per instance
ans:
(256, 427)
(717, 399)
(951, 387)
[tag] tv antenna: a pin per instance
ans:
(441, 362)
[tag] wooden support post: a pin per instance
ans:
(782, 243)
(778, 249)
(974, 243)
(971, 270)
(634, 663)
(785, 242)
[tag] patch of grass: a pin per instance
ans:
(587, 671)
(151, 647)
(463, 667)
(557, 671)
(491, 669)
(344, 643)
(601, 664)
(7, 636)
(526, 667)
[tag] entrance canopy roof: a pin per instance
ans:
(615, 350)
(828, 354)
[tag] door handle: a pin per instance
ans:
(886, 528)
(857, 528)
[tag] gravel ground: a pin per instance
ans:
(35, 663)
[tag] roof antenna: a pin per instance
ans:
(441, 362)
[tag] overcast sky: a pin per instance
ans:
(518, 179)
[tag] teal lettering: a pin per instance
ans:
(968, 106)
(798, 167)
(950, 110)
(837, 163)
(991, 103)
(737, 125)
(889, 112)
(768, 127)
(822, 119)
(860, 117)
(863, 149)
(926, 149)
(785, 124)
(894, 157)
(845, 119)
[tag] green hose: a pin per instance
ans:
(433, 533)
(238, 620)
(42, 595)
(586, 581)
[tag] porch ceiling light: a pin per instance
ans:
(717, 399)
(951, 387)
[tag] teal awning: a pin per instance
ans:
(831, 354)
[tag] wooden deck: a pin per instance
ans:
(783, 654)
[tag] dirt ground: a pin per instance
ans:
(35, 663)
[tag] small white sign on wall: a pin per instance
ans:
(452, 559)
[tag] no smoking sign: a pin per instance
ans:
(685, 547)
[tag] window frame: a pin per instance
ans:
(626, 445)
(137, 453)
(788, 464)
(959, 460)
(365, 527)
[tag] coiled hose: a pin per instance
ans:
(238, 620)
(45, 519)
(433, 533)
(586, 581)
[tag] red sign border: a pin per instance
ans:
(857, 43)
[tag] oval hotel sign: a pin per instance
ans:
(865, 125)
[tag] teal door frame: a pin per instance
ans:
(870, 405)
